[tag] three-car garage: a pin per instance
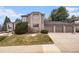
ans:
(60, 27)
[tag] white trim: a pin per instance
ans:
(54, 28)
(64, 29)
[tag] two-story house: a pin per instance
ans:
(35, 21)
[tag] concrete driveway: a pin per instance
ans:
(66, 42)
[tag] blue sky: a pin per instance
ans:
(14, 12)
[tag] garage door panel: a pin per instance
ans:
(59, 28)
(49, 28)
(69, 29)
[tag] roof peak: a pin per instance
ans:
(32, 13)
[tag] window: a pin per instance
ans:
(24, 19)
(35, 17)
(9, 27)
(35, 25)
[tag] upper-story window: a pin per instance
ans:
(36, 16)
(24, 19)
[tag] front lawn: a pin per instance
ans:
(25, 39)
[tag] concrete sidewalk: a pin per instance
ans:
(6, 34)
(66, 42)
(30, 49)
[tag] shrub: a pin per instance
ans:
(77, 30)
(2, 38)
(44, 31)
(21, 28)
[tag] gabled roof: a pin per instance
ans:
(32, 13)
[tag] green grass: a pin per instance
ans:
(25, 40)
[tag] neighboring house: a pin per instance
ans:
(10, 27)
(37, 22)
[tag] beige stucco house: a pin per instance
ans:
(35, 21)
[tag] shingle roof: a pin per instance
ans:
(55, 22)
(31, 13)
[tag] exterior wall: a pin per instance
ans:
(77, 27)
(42, 22)
(37, 19)
(29, 20)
